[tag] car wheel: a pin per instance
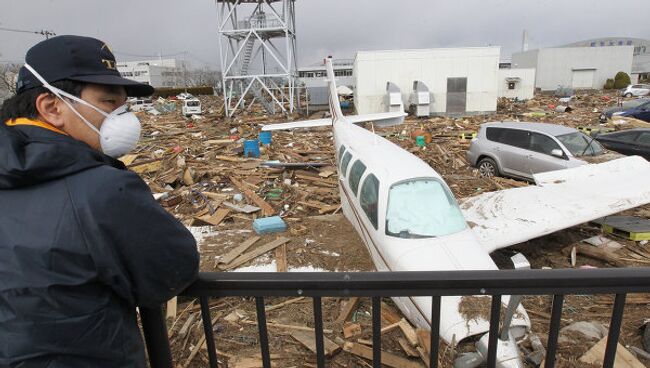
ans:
(628, 94)
(487, 168)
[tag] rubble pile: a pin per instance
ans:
(197, 170)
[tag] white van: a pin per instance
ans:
(140, 104)
(191, 107)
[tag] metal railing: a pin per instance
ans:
(316, 285)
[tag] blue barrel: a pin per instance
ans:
(265, 137)
(251, 148)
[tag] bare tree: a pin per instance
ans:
(203, 77)
(8, 75)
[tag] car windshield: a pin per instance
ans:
(193, 103)
(422, 208)
(580, 145)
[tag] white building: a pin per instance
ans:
(313, 78)
(460, 80)
(576, 67)
(516, 83)
(640, 60)
(157, 73)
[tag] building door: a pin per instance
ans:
(583, 78)
(456, 95)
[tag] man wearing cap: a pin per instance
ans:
(82, 241)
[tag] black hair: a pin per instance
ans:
(23, 105)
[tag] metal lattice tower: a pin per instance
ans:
(257, 43)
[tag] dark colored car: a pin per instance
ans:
(641, 112)
(607, 113)
(628, 142)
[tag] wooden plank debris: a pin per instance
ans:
(407, 347)
(247, 208)
(390, 328)
(287, 327)
(236, 252)
(281, 258)
(349, 307)
(624, 359)
(351, 329)
(147, 166)
(255, 253)
(388, 359)
(424, 339)
(409, 332)
(172, 305)
(308, 339)
(280, 305)
(389, 315)
(215, 219)
(267, 210)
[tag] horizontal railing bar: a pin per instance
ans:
(422, 283)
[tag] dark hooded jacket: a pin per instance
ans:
(82, 243)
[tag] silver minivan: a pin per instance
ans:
(522, 149)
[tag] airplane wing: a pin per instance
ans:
(560, 199)
(382, 119)
(298, 124)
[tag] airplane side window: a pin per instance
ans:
(422, 208)
(341, 152)
(356, 172)
(345, 162)
(369, 198)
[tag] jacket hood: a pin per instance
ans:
(32, 155)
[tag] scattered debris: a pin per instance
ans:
(624, 359)
(197, 170)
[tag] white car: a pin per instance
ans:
(191, 107)
(140, 104)
(636, 90)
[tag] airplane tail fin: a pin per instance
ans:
(335, 105)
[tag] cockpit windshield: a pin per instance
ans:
(422, 208)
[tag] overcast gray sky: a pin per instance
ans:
(136, 29)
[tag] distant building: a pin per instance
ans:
(313, 78)
(460, 80)
(157, 73)
(641, 55)
(516, 83)
(576, 67)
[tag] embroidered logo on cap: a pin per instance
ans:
(109, 63)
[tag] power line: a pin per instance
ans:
(43, 32)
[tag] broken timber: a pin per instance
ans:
(255, 253)
(267, 210)
(388, 359)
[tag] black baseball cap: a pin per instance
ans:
(77, 58)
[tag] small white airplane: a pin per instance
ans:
(410, 221)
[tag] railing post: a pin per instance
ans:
(554, 330)
(155, 337)
(495, 314)
(614, 330)
(376, 332)
(209, 334)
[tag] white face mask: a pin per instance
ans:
(120, 131)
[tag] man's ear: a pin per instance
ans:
(50, 109)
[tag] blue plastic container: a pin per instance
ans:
(265, 137)
(251, 148)
(266, 225)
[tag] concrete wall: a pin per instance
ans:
(563, 66)
(372, 69)
(524, 86)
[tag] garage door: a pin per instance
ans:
(583, 78)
